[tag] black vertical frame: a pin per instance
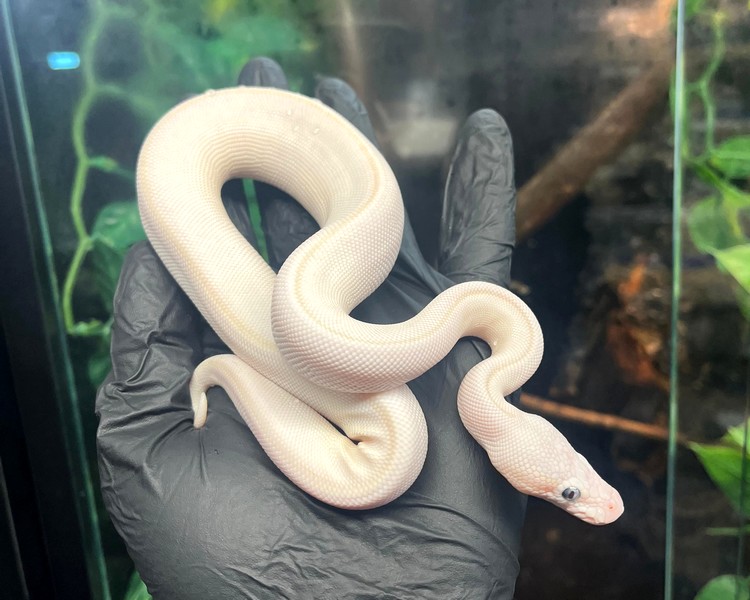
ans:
(50, 530)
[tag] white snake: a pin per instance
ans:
(293, 340)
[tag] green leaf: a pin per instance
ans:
(736, 262)
(724, 465)
(732, 157)
(104, 163)
(693, 7)
(725, 587)
(89, 328)
(106, 264)
(713, 225)
(118, 225)
(728, 531)
(260, 35)
(735, 436)
(97, 367)
(136, 589)
(733, 196)
(743, 299)
(116, 228)
(255, 219)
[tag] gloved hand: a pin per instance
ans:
(205, 513)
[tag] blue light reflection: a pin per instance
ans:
(62, 61)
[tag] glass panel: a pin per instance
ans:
(711, 502)
(584, 88)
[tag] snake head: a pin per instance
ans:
(539, 461)
(584, 494)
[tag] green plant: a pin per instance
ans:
(138, 59)
(176, 49)
(725, 587)
(716, 225)
(726, 464)
(137, 589)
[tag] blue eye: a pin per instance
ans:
(571, 493)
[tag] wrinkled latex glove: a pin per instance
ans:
(205, 513)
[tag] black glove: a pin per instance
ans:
(205, 514)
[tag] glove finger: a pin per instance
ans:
(478, 224)
(477, 232)
(263, 72)
(413, 282)
(342, 98)
(286, 224)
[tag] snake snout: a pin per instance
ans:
(615, 508)
(609, 511)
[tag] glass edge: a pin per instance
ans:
(675, 301)
(66, 393)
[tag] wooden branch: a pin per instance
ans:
(595, 145)
(596, 419)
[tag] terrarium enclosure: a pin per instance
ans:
(631, 130)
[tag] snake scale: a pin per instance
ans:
(299, 363)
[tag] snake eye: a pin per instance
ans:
(571, 493)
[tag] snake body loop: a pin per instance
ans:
(299, 360)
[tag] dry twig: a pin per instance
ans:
(596, 419)
(595, 145)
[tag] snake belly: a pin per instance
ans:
(291, 334)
